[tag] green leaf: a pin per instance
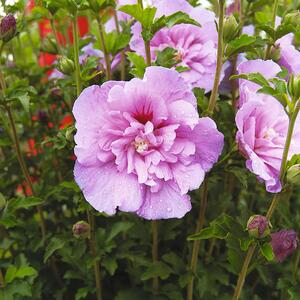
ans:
(25, 272)
(54, 245)
(267, 251)
(110, 264)
(167, 58)
(118, 228)
(144, 16)
(10, 274)
(25, 101)
(254, 77)
(82, 293)
(157, 269)
(24, 202)
(219, 228)
(138, 64)
(240, 44)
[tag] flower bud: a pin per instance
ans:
(292, 18)
(8, 28)
(284, 243)
(70, 134)
(43, 117)
(258, 226)
(81, 230)
(49, 45)
(294, 87)
(56, 93)
(231, 29)
(293, 174)
(65, 65)
(2, 201)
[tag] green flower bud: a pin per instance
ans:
(292, 18)
(258, 226)
(49, 45)
(293, 175)
(70, 134)
(231, 29)
(81, 230)
(275, 53)
(294, 87)
(66, 65)
(8, 28)
(2, 201)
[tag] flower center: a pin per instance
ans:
(141, 145)
(270, 134)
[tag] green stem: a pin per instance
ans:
(76, 55)
(93, 249)
(220, 54)
(243, 273)
(274, 203)
(275, 8)
(53, 27)
(104, 49)
(2, 282)
(123, 67)
(148, 53)
(196, 244)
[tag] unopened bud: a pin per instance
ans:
(294, 87)
(66, 65)
(81, 230)
(8, 28)
(70, 134)
(292, 18)
(293, 175)
(284, 243)
(258, 226)
(231, 28)
(49, 45)
(56, 93)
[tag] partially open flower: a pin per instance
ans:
(8, 28)
(284, 243)
(81, 230)
(258, 226)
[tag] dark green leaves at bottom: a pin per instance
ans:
(157, 269)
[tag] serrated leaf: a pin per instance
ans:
(138, 64)
(239, 44)
(54, 245)
(25, 101)
(167, 58)
(144, 16)
(110, 264)
(157, 269)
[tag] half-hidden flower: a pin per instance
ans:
(267, 68)
(141, 146)
(284, 243)
(262, 130)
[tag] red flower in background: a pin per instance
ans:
(47, 59)
(66, 121)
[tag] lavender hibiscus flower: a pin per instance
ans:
(196, 46)
(262, 127)
(141, 145)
